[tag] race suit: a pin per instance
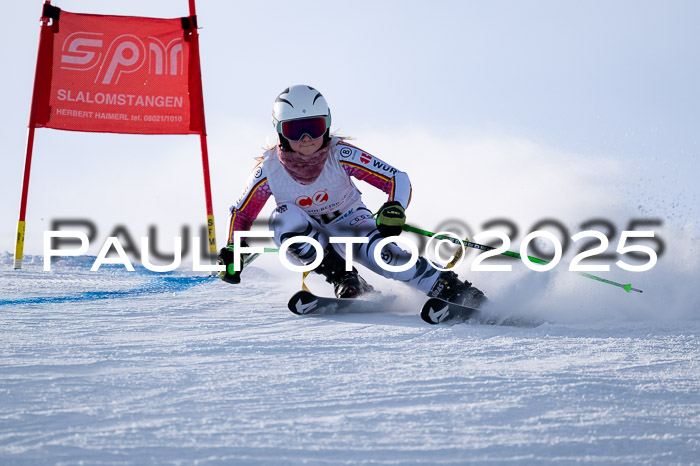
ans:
(328, 207)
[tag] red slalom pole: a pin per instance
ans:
(39, 99)
(19, 245)
(196, 77)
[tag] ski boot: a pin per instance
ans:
(345, 284)
(450, 288)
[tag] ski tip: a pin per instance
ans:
(426, 317)
(435, 311)
(302, 302)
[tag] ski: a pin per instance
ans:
(306, 303)
(439, 311)
(434, 311)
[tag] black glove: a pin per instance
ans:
(390, 219)
(226, 258)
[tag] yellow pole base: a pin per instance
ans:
(19, 246)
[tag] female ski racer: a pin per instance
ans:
(309, 174)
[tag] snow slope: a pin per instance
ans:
(112, 367)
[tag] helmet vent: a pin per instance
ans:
(280, 99)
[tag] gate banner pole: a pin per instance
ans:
(40, 99)
(196, 78)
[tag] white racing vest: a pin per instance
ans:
(331, 191)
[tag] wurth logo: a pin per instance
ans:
(127, 53)
(365, 158)
(385, 167)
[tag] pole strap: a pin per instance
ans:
(51, 12)
(189, 22)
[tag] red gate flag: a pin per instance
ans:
(120, 74)
(117, 74)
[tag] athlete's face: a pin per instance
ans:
(306, 145)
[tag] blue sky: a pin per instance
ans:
(600, 97)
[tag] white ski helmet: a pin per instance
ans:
(299, 102)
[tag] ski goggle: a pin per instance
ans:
(294, 130)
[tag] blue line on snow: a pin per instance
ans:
(164, 284)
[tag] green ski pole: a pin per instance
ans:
(469, 244)
(252, 257)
